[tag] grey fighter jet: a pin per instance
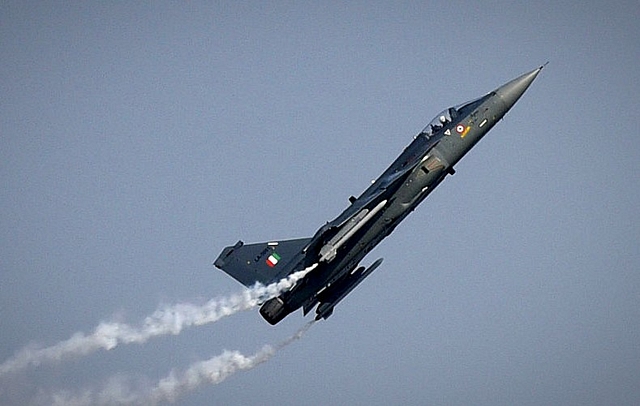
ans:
(332, 256)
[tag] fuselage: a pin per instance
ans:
(339, 246)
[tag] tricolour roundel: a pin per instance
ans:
(460, 128)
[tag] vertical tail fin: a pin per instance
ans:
(261, 262)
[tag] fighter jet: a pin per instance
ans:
(332, 256)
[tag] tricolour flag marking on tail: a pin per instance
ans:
(273, 259)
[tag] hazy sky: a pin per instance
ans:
(139, 139)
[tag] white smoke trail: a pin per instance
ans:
(119, 391)
(166, 320)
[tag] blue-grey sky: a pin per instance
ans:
(139, 139)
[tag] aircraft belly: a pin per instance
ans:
(355, 250)
(369, 228)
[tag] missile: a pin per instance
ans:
(329, 251)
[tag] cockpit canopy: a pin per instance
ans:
(448, 115)
(439, 121)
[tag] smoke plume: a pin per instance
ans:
(165, 320)
(119, 391)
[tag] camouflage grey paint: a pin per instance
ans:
(338, 247)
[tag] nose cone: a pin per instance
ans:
(511, 92)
